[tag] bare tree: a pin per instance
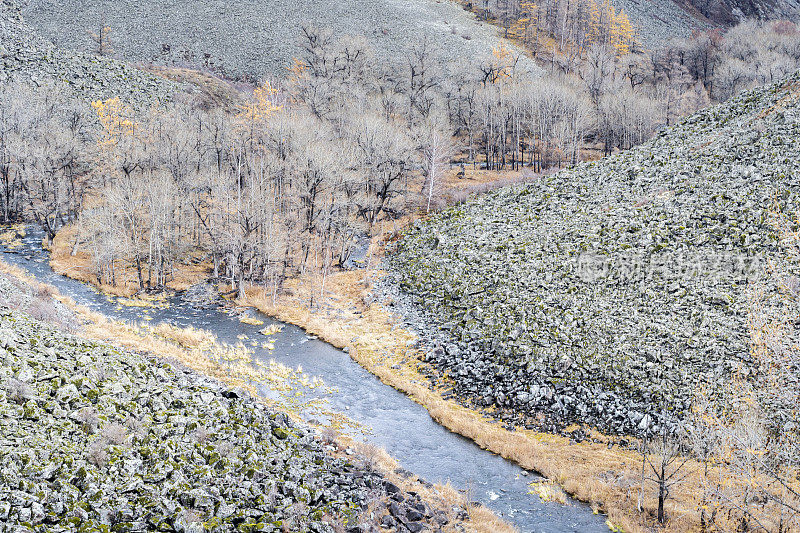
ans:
(436, 148)
(102, 39)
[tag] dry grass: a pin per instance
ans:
(216, 91)
(10, 235)
(79, 266)
(608, 478)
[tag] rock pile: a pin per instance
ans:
(23, 53)
(602, 293)
(96, 439)
(256, 39)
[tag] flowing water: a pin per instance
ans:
(389, 418)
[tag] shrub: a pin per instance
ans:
(42, 311)
(200, 434)
(88, 416)
(45, 292)
(19, 391)
(115, 434)
(96, 453)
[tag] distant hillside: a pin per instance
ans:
(599, 292)
(24, 53)
(657, 21)
(255, 38)
(730, 12)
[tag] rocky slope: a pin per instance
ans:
(657, 21)
(601, 293)
(96, 439)
(24, 53)
(254, 38)
(731, 12)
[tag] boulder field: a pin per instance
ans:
(611, 292)
(93, 438)
(25, 55)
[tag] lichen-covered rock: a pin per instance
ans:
(601, 292)
(96, 439)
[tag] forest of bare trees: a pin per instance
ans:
(309, 166)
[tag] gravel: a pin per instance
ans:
(602, 293)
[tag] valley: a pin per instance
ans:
(399, 266)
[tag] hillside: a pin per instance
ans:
(94, 438)
(730, 12)
(24, 53)
(255, 38)
(598, 293)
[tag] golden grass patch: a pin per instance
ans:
(251, 320)
(72, 262)
(10, 236)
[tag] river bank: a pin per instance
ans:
(190, 349)
(596, 471)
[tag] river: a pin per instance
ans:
(392, 421)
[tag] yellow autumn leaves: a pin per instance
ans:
(603, 24)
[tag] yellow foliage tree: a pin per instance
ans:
(263, 105)
(609, 28)
(520, 28)
(114, 116)
(297, 71)
(503, 62)
(595, 30)
(622, 33)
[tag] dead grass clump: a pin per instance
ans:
(15, 301)
(44, 291)
(135, 426)
(191, 516)
(18, 391)
(115, 434)
(370, 455)
(548, 492)
(225, 448)
(188, 337)
(329, 435)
